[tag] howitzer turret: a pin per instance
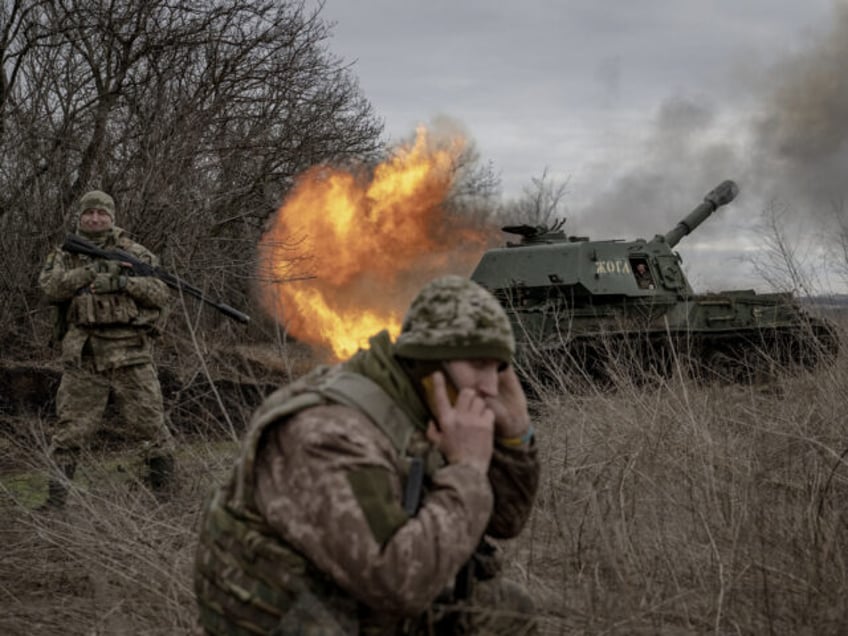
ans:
(586, 299)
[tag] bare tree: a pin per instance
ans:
(839, 255)
(786, 261)
(476, 189)
(542, 202)
(196, 117)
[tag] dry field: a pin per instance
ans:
(665, 508)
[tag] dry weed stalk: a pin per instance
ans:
(667, 506)
(672, 506)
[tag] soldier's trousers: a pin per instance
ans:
(81, 401)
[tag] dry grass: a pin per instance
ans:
(665, 508)
(670, 508)
(115, 561)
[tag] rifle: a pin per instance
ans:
(78, 245)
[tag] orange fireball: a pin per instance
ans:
(347, 252)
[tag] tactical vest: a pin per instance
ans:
(100, 310)
(247, 579)
(106, 310)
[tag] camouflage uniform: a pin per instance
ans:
(320, 529)
(107, 347)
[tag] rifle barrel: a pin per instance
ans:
(77, 244)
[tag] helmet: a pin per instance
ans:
(455, 318)
(97, 199)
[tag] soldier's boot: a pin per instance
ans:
(160, 474)
(57, 487)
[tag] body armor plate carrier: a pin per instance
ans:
(247, 579)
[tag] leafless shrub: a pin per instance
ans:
(542, 202)
(787, 261)
(196, 118)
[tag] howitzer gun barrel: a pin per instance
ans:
(721, 195)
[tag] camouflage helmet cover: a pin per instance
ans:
(99, 200)
(455, 318)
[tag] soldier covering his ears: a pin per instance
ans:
(364, 493)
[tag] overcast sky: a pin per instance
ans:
(642, 106)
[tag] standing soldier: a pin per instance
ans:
(364, 493)
(107, 319)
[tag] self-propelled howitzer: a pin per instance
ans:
(585, 304)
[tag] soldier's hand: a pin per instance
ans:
(510, 405)
(79, 277)
(463, 432)
(104, 283)
(115, 268)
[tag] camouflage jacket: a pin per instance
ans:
(314, 510)
(308, 492)
(114, 328)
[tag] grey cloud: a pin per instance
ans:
(566, 85)
(794, 150)
(801, 138)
